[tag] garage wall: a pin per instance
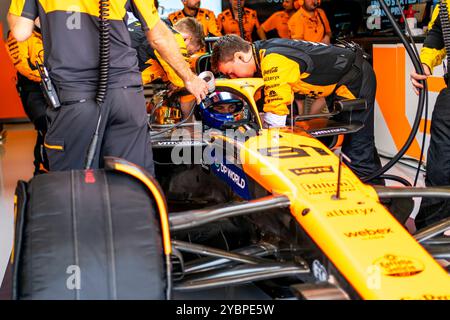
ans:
(4, 6)
(10, 105)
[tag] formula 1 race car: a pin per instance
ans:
(236, 204)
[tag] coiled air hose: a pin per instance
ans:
(240, 19)
(445, 25)
(104, 51)
(102, 87)
(422, 93)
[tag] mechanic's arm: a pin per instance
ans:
(327, 37)
(163, 41)
(432, 53)
(21, 16)
(21, 27)
(415, 78)
(261, 33)
(172, 76)
(278, 73)
(269, 24)
(213, 28)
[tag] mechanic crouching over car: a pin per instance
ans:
(188, 33)
(312, 69)
(71, 33)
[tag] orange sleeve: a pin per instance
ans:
(213, 28)
(269, 24)
(325, 21)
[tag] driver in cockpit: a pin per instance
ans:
(223, 110)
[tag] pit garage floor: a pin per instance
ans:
(16, 163)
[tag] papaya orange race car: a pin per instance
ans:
(234, 205)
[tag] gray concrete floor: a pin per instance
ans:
(16, 160)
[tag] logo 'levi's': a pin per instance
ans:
(312, 170)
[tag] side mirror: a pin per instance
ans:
(347, 105)
(350, 105)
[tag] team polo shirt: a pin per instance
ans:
(279, 22)
(228, 23)
(206, 17)
(303, 26)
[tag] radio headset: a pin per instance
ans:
(445, 25)
(102, 88)
(240, 19)
(47, 87)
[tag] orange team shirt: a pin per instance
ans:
(229, 25)
(206, 17)
(279, 21)
(304, 27)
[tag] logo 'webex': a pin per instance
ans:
(369, 233)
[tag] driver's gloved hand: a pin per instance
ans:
(272, 120)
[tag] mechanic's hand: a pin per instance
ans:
(198, 87)
(326, 39)
(415, 78)
(272, 120)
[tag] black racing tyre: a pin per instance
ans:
(87, 235)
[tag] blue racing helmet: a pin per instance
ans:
(223, 107)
